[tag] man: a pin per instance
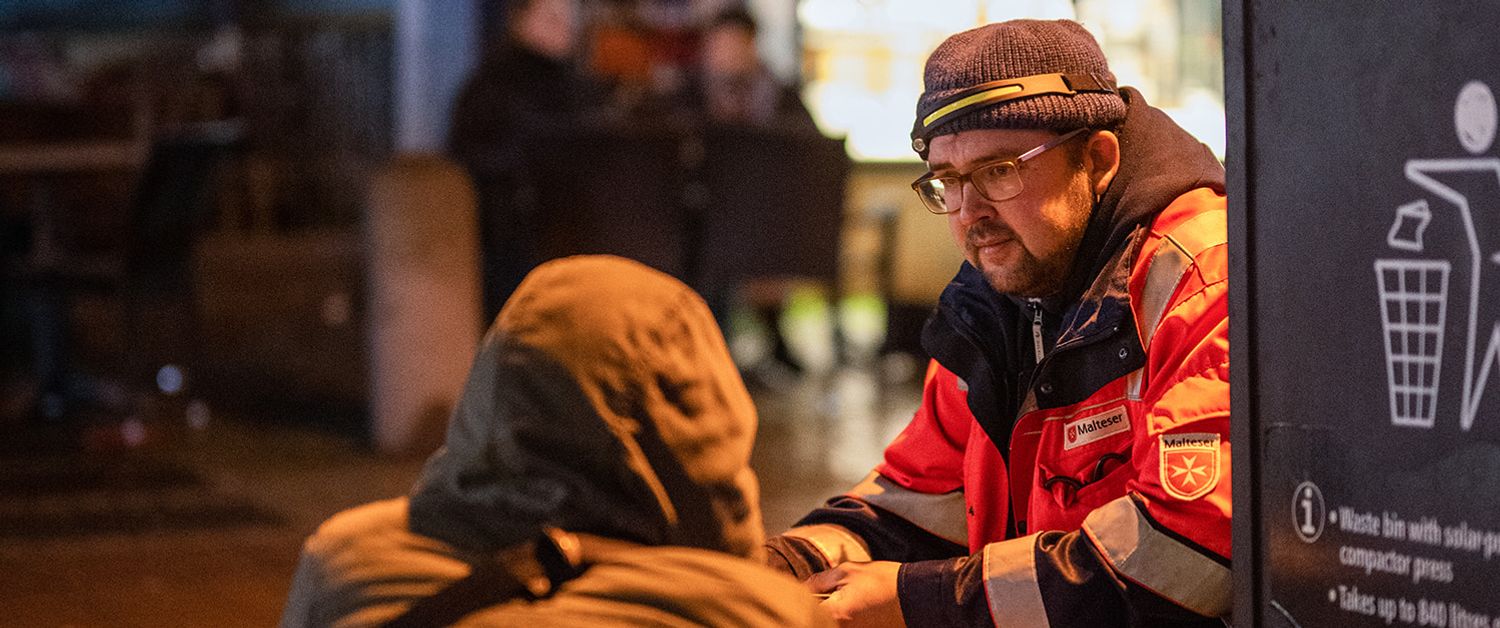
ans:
(596, 473)
(1069, 464)
(525, 92)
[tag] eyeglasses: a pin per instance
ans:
(995, 181)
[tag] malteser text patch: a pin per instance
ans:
(1089, 429)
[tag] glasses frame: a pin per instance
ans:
(958, 180)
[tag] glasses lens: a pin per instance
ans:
(934, 194)
(998, 182)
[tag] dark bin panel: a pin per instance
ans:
(1365, 213)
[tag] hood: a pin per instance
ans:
(1159, 161)
(603, 400)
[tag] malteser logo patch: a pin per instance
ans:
(1089, 429)
(1189, 464)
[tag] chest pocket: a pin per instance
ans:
(1084, 460)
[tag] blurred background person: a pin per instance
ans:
(603, 404)
(731, 85)
(528, 88)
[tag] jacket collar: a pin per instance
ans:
(1103, 306)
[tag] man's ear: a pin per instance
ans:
(1102, 159)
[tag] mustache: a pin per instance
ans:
(987, 232)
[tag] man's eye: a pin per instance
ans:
(993, 173)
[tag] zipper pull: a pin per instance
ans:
(1036, 328)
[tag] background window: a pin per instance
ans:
(862, 59)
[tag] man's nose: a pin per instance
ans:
(973, 206)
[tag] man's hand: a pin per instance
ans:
(862, 594)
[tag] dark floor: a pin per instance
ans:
(199, 523)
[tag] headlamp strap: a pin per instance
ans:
(994, 92)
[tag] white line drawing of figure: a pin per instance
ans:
(1414, 291)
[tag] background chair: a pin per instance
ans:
(772, 219)
(147, 276)
(617, 191)
(774, 208)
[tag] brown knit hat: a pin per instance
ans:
(1021, 74)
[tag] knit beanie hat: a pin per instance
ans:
(1021, 74)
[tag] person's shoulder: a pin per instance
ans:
(1184, 254)
(1198, 213)
(366, 518)
(1193, 224)
(369, 527)
(373, 541)
(365, 566)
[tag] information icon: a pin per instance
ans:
(1308, 512)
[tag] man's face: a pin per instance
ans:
(1023, 245)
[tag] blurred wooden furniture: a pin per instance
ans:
(715, 207)
(774, 208)
(74, 156)
(615, 191)
(147, 274)
(44, 163)
(282, 319)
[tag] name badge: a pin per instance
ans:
(1100, 426)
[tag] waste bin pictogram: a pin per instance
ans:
(1413, 307)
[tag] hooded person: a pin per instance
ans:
(1069, 462)
(595, 473)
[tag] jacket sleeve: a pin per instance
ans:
(1086, 577)
(1158, 556)
(910, 508)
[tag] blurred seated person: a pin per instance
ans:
(526, 90)
(596, 473)
(732, 86)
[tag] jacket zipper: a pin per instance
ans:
(1071, 344)
(1036, 329)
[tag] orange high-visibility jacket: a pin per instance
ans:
(1096, 492)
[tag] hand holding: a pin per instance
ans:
(861, 594)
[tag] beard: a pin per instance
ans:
(1034, 274)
